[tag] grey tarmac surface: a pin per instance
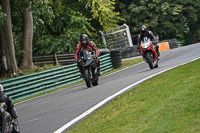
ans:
(48, 113)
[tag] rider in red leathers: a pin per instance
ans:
(149, 34)
(90, 46)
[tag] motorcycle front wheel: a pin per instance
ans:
(87, 78)
(149, 60)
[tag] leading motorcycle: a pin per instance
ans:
(149, 54)
(89, 69)
(7, 124)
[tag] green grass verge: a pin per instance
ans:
(169, 102)
(128, 63)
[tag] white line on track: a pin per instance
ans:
(34, 119)
(112, 97)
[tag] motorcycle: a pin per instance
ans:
(149, 54)
(89, 69)
(7, 124)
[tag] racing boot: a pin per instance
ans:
(10, 107)
(13, 113)
(80, 70)
(158, 53)
(81, 76)
(14, 116)
(99, 72)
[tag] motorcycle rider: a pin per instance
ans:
(9, 104)
(90, 46)
(149, 34)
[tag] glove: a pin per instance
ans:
(155, 43)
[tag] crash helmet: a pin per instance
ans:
(143, 30)
(84, 37)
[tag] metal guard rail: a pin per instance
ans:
(32, 84)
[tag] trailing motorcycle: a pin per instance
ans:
(149, 54)
(7, 124)
(89, 69)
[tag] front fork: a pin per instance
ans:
(153, 54)
(89, 70)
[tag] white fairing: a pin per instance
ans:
(146, 44)
(146, 39)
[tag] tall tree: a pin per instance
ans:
(2, 52)
(27, 36)
(104, 12)
(8, 61)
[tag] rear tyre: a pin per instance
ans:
(87, 78)
(118, 66)
(149, 60)
(115, 51)
(117, 58)
(116, 54)
(117, 63)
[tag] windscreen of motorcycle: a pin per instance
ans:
(146, 39)
(146, 44)
(86, 54)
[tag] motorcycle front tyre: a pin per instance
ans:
(87, 78)
(149, 60)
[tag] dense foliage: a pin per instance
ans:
(59, 23)
(2, 16)
(167, 18)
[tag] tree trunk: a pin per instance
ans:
(27, 37)
(3, 63)
(7, 61)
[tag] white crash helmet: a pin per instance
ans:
(1, 88)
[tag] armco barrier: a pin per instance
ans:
(29, 85)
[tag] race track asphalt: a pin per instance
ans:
(47, 113)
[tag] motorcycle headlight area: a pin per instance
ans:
(144, 48)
